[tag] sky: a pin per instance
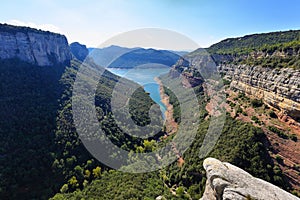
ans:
(92, 22)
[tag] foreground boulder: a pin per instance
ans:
(226, 181)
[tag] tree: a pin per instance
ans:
(64, 188)
(73, 182)
(97, 172)
(87, 174)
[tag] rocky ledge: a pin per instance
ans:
(228, 182)
(279, 88)
(33, 46)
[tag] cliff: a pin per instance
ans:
(279, 88)
(226, 181)
(79, 51)
(33, 46)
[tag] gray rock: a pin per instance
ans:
(79, 51)
(33, 46)
(227, 182)
(279, 88)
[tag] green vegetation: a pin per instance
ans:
(255, 119)
(240, 144)
(249, 43)
(275, 50)
(272, 114)
(278, 132)
(257, 103)
(17, 29)
(279, 159)
(28, 109)
(40, 150)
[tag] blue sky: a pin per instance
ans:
(205, 21)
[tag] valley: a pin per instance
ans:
(43, 157)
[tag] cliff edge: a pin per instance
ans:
(226, 181)
(34, 46)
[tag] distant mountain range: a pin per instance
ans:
(122, 57)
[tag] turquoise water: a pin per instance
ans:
(145, 77)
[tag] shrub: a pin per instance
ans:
(239, 110)
(231, 104)
(273, 114)
(294, 137)
(278, 132)
(279, 159)
(256, 103)
(255, 119)
(226, 82)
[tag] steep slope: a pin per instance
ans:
(79, 51)
(29, 101)
(241, 143)
(252, 42)
(264, 89)
(279, 88)
(40, 149)
(33, 46)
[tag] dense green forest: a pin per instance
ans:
(41, 141)
(86, 178)
(274, 50)
(29, 102)
(253, 42)
(40, 149)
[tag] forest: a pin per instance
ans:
(42, 156)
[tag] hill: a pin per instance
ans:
(121, 57)
(249, 43)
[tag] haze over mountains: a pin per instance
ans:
(121, 57)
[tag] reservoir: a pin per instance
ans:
(145, 77)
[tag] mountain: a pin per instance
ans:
(104, 56)
(33, 46)
(79, 51)
(120, 57)
(261, 78)
(40, 149)
(141, 57)
(31, 65)
(254, 42)
(273, 50)
(42, 156)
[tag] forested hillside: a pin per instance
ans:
(274, 50)
(241, 144)
(29, 103)
(42, 156)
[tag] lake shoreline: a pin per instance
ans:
(170, 123)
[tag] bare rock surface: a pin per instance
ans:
(37, 47)
(228, 182)
(279, 88)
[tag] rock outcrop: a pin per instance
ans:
(79, 51)
(228, 182)
(279, 88)
(33, 46)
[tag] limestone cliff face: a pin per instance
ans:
(228, 182)
(33, 46)
(279, 88)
